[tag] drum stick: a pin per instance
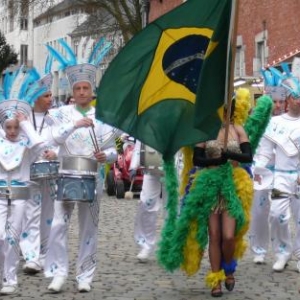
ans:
(95, 145)
(95, 138)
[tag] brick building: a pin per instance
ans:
(159, 7)
(267, 32)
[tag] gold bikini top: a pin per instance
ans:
(213, 148)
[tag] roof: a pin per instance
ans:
(62, 6)
(104, 23)
(288, 57)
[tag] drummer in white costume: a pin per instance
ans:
(280, 138)
(19, 147)
(39, 209)
(152, 198)
(75, 137)
(259, 227)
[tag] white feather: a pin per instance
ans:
(17, 84)
(80, 49)
(88, 49)
(296, 67)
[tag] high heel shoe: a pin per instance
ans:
(229, 282)
(217, 291)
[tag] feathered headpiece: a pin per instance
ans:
(20, 90)
(242, 106)
(288, 80)
(273, 79)
(82, 68)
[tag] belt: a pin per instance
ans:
(277, 194)
(12, 183)
(287, 171)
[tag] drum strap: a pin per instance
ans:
(142, 157)
(34, 121)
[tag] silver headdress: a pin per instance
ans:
(19, 91)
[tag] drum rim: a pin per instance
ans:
(47, 162)
(79, 176)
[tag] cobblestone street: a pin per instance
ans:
(121, 277)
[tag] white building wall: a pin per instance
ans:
(49, 34)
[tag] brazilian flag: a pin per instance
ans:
(166, 85)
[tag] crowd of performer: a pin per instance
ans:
(53, 158)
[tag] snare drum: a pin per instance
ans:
(79, 165)
(76, 188)
(44, 169)
(151, 160)
(14, 192)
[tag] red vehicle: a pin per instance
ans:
(118, 179)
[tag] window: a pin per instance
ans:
(76, 43)
(239, 62)
(239, 70)
(24, 54)
(24, 15)
(24, 23)
(261, 52)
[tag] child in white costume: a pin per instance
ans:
(19, 146)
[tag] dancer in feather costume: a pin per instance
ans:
(217, 199)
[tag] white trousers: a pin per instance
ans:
(37, 222)
(10, 230)
(57, 259)
(148, 208)
(259, 227)
(280, 213)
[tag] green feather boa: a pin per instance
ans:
(203, 196)
(257, 122)
(171, 207)
(208, 184)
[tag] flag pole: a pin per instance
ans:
(230, 69)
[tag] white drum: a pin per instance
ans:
(76, 188)
(151, 160)
(44, 169)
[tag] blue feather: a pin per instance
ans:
(71, 55)
(268, 78)
(278, 76)
(34, 92)
(102, 54)
(61, 60)
(7, 83)
(95, 50)
(285, 67)
(48, 64)
(31, 78)
(17, 83)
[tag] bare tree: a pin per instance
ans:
(123, 15)
(7, 54)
